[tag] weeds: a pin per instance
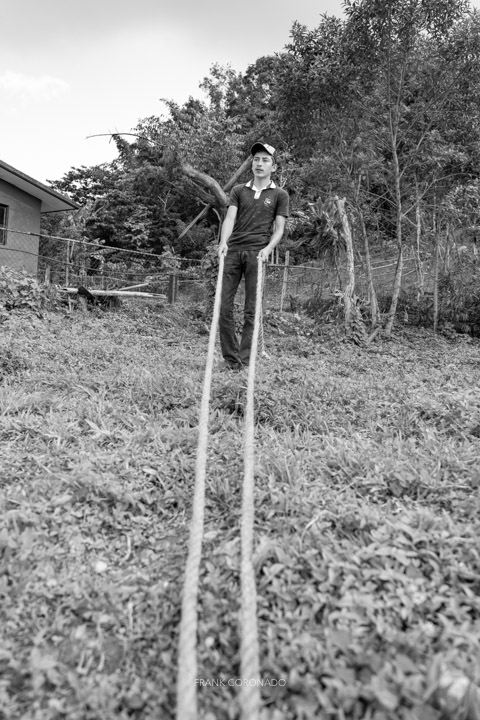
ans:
(19, 290)
(367, 507)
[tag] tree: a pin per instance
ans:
(369, 94)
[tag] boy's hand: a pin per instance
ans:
(222, 249)
(263, 255)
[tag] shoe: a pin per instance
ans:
(225, 365)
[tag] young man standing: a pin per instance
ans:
(253, 226)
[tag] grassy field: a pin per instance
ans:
(367, 518)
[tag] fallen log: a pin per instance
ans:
(115, 293)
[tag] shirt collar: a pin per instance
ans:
(250, 184)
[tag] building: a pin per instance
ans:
(22, 202)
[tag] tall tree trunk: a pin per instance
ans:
(419, 265)
(337, 270)
(350, 286)
(448, 245)
(436, 263)
(397, 285)
(372, 295)
(397, 282)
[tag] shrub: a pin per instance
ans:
(458, 299)
(459, 292)
(18, 289)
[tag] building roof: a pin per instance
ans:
(51, 200)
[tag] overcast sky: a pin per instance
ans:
(73, 69)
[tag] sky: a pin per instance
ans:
(71, 70)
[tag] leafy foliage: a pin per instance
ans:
(366, 517)
(19, 290)
(459, 292)
(316, 233)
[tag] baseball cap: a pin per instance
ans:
(263, 146)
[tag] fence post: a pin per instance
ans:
(350, 284)
(172, 288)
(82, 273)
(285, 279)
(67, 264)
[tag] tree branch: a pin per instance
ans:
(243, 168)
(207, 181)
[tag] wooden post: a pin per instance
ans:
(67, 263)
(47, 275)
(285, 279)
(350, 286)
(82, 273)
(172, 288)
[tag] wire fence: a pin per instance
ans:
(74, 263)
(289, 285)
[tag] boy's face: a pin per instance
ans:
(263, 164)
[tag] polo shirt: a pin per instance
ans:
(256, 214)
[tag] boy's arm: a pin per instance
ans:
(227, 229)
(275, 239)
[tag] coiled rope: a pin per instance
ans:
(187, 660)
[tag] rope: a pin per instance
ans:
(261, 343)
(250, 694)
(187, 659)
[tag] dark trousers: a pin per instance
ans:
(238, 264)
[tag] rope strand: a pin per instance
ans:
(250, 666)
(261, 342)
(187, 708)
(187, 658)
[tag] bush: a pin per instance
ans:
(459, 293)
(458, 299)
(18, 289)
